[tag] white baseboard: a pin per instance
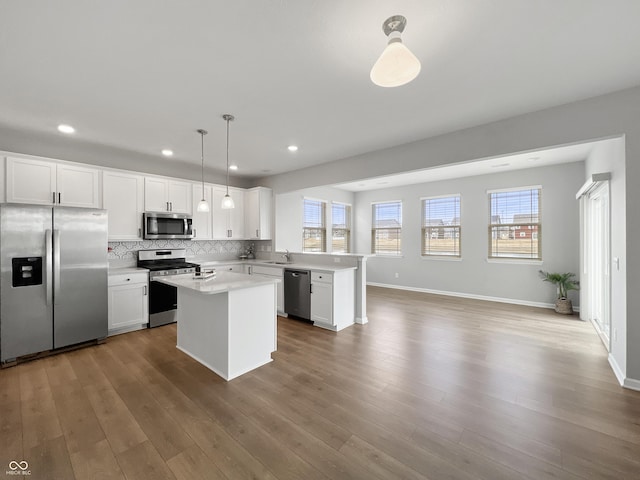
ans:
(632, 384)
(468, 295)
(616, 369)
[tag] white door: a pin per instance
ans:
(78, 186)
(31, 181)
(180, 199)
(598, 261)
(123, 198)
(156, 194)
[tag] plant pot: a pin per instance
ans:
(564, 306)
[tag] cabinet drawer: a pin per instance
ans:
(321, 277)
(127, 278)
(270, 271)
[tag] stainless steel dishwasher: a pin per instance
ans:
(297, 293)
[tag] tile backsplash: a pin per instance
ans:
(222, 249)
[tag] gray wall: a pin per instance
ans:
(288, 213)
(472, 274)
(611, 115)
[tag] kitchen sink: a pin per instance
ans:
(277, 263)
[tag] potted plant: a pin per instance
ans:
(565, 283)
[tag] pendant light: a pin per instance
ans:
(227, 201)
(203, 205)
(396, 65)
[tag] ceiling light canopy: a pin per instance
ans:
(167, 153)
(397, 65)
(227, 201)
(66, 128)
(292, 148)
(203, 205)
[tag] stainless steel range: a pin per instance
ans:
(163, 299)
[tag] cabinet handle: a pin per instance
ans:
(59, 197)
(128, 279)
(167, 206)
(311, 288)
(54, 197)
(171, 206)
(257, 234)
(145, 291)
(139, 233)
(194, 233)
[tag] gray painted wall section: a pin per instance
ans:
(472, 274)
(288, 214)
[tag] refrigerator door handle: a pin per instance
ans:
(48, 266)
(56, 266)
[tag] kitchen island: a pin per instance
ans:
(227, 322)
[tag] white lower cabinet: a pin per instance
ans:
(332, 299)
(128, 302)
(272, 272)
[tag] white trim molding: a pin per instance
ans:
(472, 296)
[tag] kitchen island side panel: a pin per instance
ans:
(203, 329)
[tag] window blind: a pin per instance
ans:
(441, 230)
(515, 229)
(386, 231)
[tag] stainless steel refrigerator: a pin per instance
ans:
(53, 278)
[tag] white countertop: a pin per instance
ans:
(126, 270)
(269, 263)
(222, 282)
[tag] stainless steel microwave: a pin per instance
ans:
(162, 226)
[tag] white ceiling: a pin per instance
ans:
(143, 75)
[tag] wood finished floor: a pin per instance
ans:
(433, 387)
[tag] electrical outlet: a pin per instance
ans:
(336, 259)
(397, 275)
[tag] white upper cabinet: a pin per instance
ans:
(78, 186)
(228, 224)
(202, 221)
(167, 195)
(37, 181)
(123, 198)
(257, 211)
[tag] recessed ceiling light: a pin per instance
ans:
(500, 165)
(66, 128)
(233, 167)
(292, 148)
(167, 153)
(533, 159)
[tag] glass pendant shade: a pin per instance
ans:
(203, 206)
(396, 66)
(227, 202)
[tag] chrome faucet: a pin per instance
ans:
(286, 256)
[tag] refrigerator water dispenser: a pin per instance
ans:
(26, 271)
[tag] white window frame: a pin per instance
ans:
(434, 231)
(346, 229)
(375, 230)
(504, 229)
(321, 229)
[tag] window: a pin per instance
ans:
(314, 231)
(515, 230)
(441, 226)
(386, 228)
(340, 227)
